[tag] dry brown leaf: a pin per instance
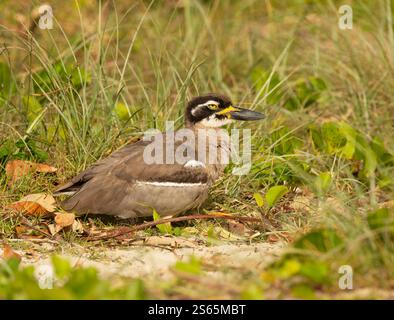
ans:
(9, 253)
(236, 227)
(388, 204)
(44, 168)
(283, 236)
(16, 169)
(272, 238)
(35, 204)
(22, 232)
(64, 219)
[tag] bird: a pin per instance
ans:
(126, 185)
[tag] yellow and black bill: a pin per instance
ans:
(238, 113)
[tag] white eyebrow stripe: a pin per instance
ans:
(208, 103)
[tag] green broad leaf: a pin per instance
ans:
(259, 199)
(317, 137)
(165, 228)
(271, 82)
(252, 292)
(79, 77)
(22, 149)
(318, 84)
(323, 182)
(33, 107)
(305, 92)
(315, 271)
(289, 268)
(385, 158)
(334, 139)
(274, 194)
(82, 281)
(284, 142)
(319, 240)
(192, 266)
(366, 153)
(62, 267)
(177, 231)
(350, 134)
(7, 147)
(122, 111)
(303, 291)
(370, 162)
(380, 218)
(27, 149)
(12, 263)
(135, 290)
(384, 180)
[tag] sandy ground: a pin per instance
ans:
(151, 257)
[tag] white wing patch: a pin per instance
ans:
(194, 164)
(170, 184)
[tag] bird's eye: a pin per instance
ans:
(213, 107)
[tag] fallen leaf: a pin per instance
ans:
(240, 229)
(15, 169)
(23, 232)
(272, 238)
(52, 229)
(388, 204)
(8, 253)
(35, 204)
(77, 226)
(225, 234)
(64, 219)
(44, 168)
(236, 227)
(284, 236)
(19, 230)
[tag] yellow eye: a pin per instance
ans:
(213, 107)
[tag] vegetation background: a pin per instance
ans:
(322, 173)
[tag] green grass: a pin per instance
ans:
(107, 72)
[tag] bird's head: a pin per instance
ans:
(215, 111)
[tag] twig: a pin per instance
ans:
(146, 225)
(33, 240)
(26, 223)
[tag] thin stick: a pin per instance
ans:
(27, 224)
(146, 225)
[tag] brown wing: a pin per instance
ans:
(106, 183)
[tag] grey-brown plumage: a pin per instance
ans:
(124, 185)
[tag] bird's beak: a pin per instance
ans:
(238, 113)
